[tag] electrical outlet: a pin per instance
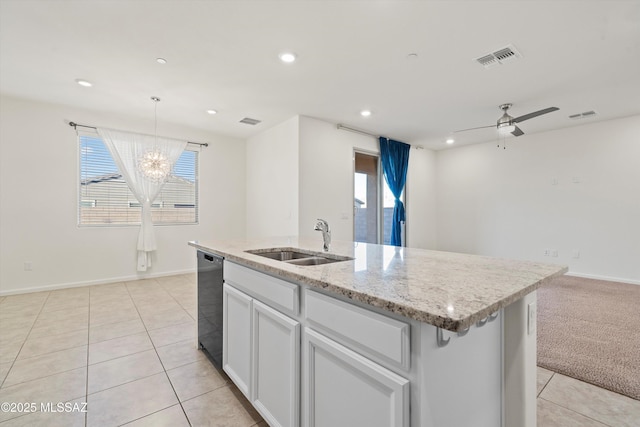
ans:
(554, 253)
(547, 252)
(28, 266)
(531, 318)
(576, 254)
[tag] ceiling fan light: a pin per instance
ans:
(505, 129)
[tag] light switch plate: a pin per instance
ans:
(531, 318)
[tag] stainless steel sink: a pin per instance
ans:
(299, 256)
(284, 255)
(314, 260)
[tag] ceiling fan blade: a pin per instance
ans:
(534, 114)
(517, 132)
(481, 127)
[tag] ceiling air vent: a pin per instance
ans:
(498, 57)
(250, 121)
(584, 115)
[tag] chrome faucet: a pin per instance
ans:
(323, 226)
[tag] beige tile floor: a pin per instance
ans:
(127, 349)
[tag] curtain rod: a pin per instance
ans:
(75, 126)
(363, 132)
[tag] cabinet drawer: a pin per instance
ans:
(280, 294)
(377, 336)
(344, 389)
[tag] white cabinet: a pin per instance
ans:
(344, 389)
(236, 347)
(378, 337)
(282, 295)
(469, 367)
(304, 357)
(276, 366)
(261, 355)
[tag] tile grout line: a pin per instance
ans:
(226, 383)
(86, 415)
(120, 357)
(148, 415)
(86, 389)
(546, 384)
(47, 376)
(179, 402)
(16, 358)
(51, 352)
(24, 341)
(576, 412)
(158, 356)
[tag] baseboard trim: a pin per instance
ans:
(92, 282)
(607, 278)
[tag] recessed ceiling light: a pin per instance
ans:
(161, 60)
(450, 141)
(287, 57)
(84, 83)
(365, 113)
(212, 112)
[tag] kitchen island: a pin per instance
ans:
(386, 336)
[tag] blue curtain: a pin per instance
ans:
(395, 162)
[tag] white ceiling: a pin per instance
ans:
(352, 55)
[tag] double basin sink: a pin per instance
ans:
(297, 256)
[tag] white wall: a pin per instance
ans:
(570, 190)
(302, 170)
(272, 181)
(38, 201)
(326, 183)
(421, 225)
(326, 176)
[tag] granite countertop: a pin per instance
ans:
(445, 289)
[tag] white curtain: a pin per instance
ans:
(127, 149)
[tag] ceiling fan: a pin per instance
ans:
(507, 124)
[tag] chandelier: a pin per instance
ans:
(154, 164)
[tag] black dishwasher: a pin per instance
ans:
(210, 282)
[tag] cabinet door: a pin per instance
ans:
(345, 389)
(276, 366)
(236, 350)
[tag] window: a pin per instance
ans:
(373, 201)
(365, 200)
(105, 199)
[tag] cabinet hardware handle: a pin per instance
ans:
(464, 332)
(439, 339)
(494, 316)
(482, 322)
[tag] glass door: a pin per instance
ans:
(373, 201)
(366, 191)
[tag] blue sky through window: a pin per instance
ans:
(95, 160)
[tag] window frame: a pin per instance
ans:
(381, 184)
(79, 200)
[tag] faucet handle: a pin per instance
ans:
(324, 222)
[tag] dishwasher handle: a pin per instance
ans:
(212, 258)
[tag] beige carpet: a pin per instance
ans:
(590, 330)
